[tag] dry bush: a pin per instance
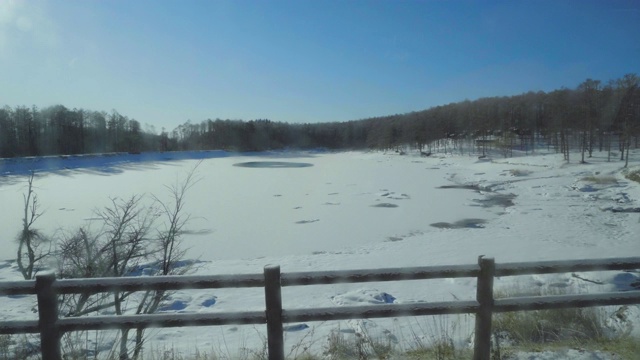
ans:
(633, 175)
(542, 326)
(602, 180)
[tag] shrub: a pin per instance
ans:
(633, 175)
(542, 326)
(361, 346)
(602, 180)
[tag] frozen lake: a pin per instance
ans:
(254, 205)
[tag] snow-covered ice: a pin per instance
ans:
(351, 210)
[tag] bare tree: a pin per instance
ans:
(169, 241)
(30, 240)
(117, 250)
(123, 246)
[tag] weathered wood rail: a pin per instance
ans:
(51, 326)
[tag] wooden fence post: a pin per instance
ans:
(273, 302)
(48, 316)
(484, 296)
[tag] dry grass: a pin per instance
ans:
(542, 326)
(601, 180)
(633, 175)
(538, 330)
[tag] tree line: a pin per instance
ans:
(593, 115)
(57, 130)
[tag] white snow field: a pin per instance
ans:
(351, 210)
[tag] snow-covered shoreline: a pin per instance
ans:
(359, 210)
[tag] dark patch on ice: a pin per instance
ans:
(404, 236)
(297, 208)
(177, 305)
(461, 224)
(335, 193)
(464, 187)
(209, 302)
(330, 203)
(307, 221)
(273, 164)
(502, 200)
(277, 195)
(296, 327)
(626, 281)
(394, 238)
(624, 210)
(385, 205)
(393, 196)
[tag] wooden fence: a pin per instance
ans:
(51, 326)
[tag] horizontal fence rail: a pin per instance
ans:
(50, 326)
(566, 266)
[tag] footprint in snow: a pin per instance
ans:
(209, 302)
(177, 305)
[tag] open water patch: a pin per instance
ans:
(461, 224)
(273, 164)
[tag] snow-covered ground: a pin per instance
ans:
(352, 210)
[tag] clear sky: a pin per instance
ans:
(163, 62)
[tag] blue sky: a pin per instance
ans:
(165, 62)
